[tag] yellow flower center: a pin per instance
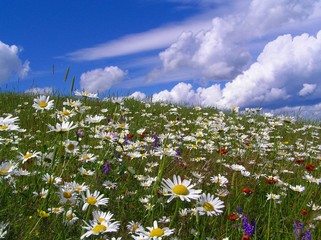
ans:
(43, 104)
(78, 189)
(100, 220)
(156, 232)
(4, 127)
(99, 228)
(91, 200)
(71, 147)
(208, 207)
(69, 217)
(28, 155)
(180, 190)
(51, 180)
(67, 194)
(66, 113)
(4, 172)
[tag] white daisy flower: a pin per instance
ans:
(93, 199)
(95, 228)
(42, 103)
(178, 188)
(210, 205)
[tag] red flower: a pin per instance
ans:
(129, 135)
(245, 237)
(304, 212)
(222, 151)
(247, 190)
(231, 217)
(271, 180)
(299, 160)
(309, 167)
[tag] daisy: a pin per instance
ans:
(56, 210)
(71, 146)
(272, 196)
(79, 187)
(29, 155)
(95, 228)
(157, 233)
(134, 227)
(7, 168)
(110, 185)
(67, 194)
(298, 188)
(93, 199)
(86, 94)
(63, 127)
(101, 217)
(178, 188)
(70, 217)
(85, 172)
(50, 179)
(221, 180)
(209, 205)
(42, 103)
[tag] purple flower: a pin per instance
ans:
(107, 167)
(307, 235)
(248, 228)
(80, 133)
(297, 229)
(156, 142)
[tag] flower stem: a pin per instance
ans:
(175, 213)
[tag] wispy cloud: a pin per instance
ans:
(153, 39)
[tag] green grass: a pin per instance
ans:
(273, 152)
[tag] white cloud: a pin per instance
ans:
(273, 81)
(220, 53)
(182, 93)
(138, 96)
(43, 91)
(99, 80)
(307, 89)
(10, 64)
(278, 74)
(153, 39)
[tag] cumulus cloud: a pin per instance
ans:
(307, 89)
(102, 79)
(10, 63)
(281, 69)
(138, 96)
(183, 93)
(287, 67)
(220, 52)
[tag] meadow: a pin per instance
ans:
(83, 168)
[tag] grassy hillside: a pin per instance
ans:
(80, 167)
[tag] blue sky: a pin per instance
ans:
(248, 53)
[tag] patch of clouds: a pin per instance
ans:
(101, 79)
(138, 96)
(220, 53)
(156, 38)
(277, 76)
(11, 64)
(40, 91)
(273, 81)
(307, 89)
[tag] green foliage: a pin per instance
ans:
(261, 166)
